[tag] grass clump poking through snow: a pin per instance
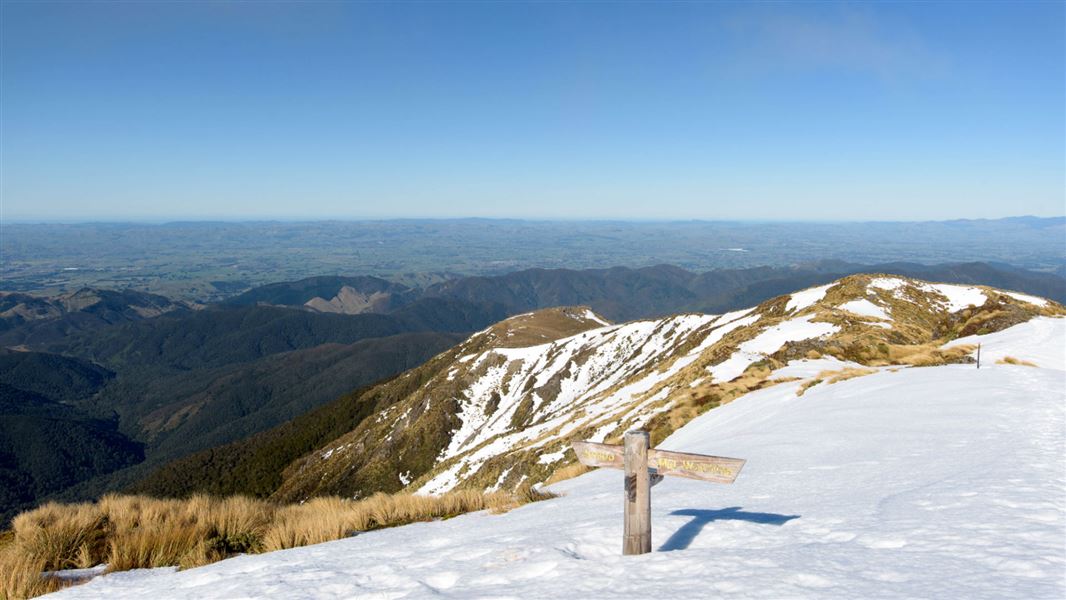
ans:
(831, 377)
(132, 532)
(1010, 360)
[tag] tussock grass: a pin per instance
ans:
(63, 537)
(808, 385)
(325, 519)
(1010, 360)
(132, 532)
(20, 576)
(831, 377)
(929, 355)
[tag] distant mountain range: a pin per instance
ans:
(157, 381)
(624, 293)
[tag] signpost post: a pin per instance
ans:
(644, 467)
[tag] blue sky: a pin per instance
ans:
(813, 111)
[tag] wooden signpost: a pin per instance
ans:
(644, 467)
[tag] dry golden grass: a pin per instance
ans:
(845, 374)
(20, 576)
(928, 355)
(63, 536)
(131, 532)
(568, 472)
(1010, 360)
(807, 385)
(831, 377)
(324, 519)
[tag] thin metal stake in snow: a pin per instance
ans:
(644, 467)
(978, 356)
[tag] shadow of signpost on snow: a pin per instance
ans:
(700, 517)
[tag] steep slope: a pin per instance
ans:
(498, 410)
(178, 413)
(252, 466)
(201, 408)
(943, 482)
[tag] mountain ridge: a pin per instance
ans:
(488, 417)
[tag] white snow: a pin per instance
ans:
(547, 459)
(78, 575)
(865, 308)
(938, 482)
(887, 283)
(591, 316)
(1027, 298)
(805, 298)
(959, 296)
(611, 356)
(1041, 341)
(767, 342)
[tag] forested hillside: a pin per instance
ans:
(46, 443)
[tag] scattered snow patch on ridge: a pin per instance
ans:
(805, 298)
(887, 283)
(547, 459)
(865, 308)
(583, 368)
(959, 296)
(768, 342)
(591, 316)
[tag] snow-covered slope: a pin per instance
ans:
(499, 410)
(938, 482)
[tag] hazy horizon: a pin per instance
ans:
(590, 220)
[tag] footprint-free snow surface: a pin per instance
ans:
(941, 482)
